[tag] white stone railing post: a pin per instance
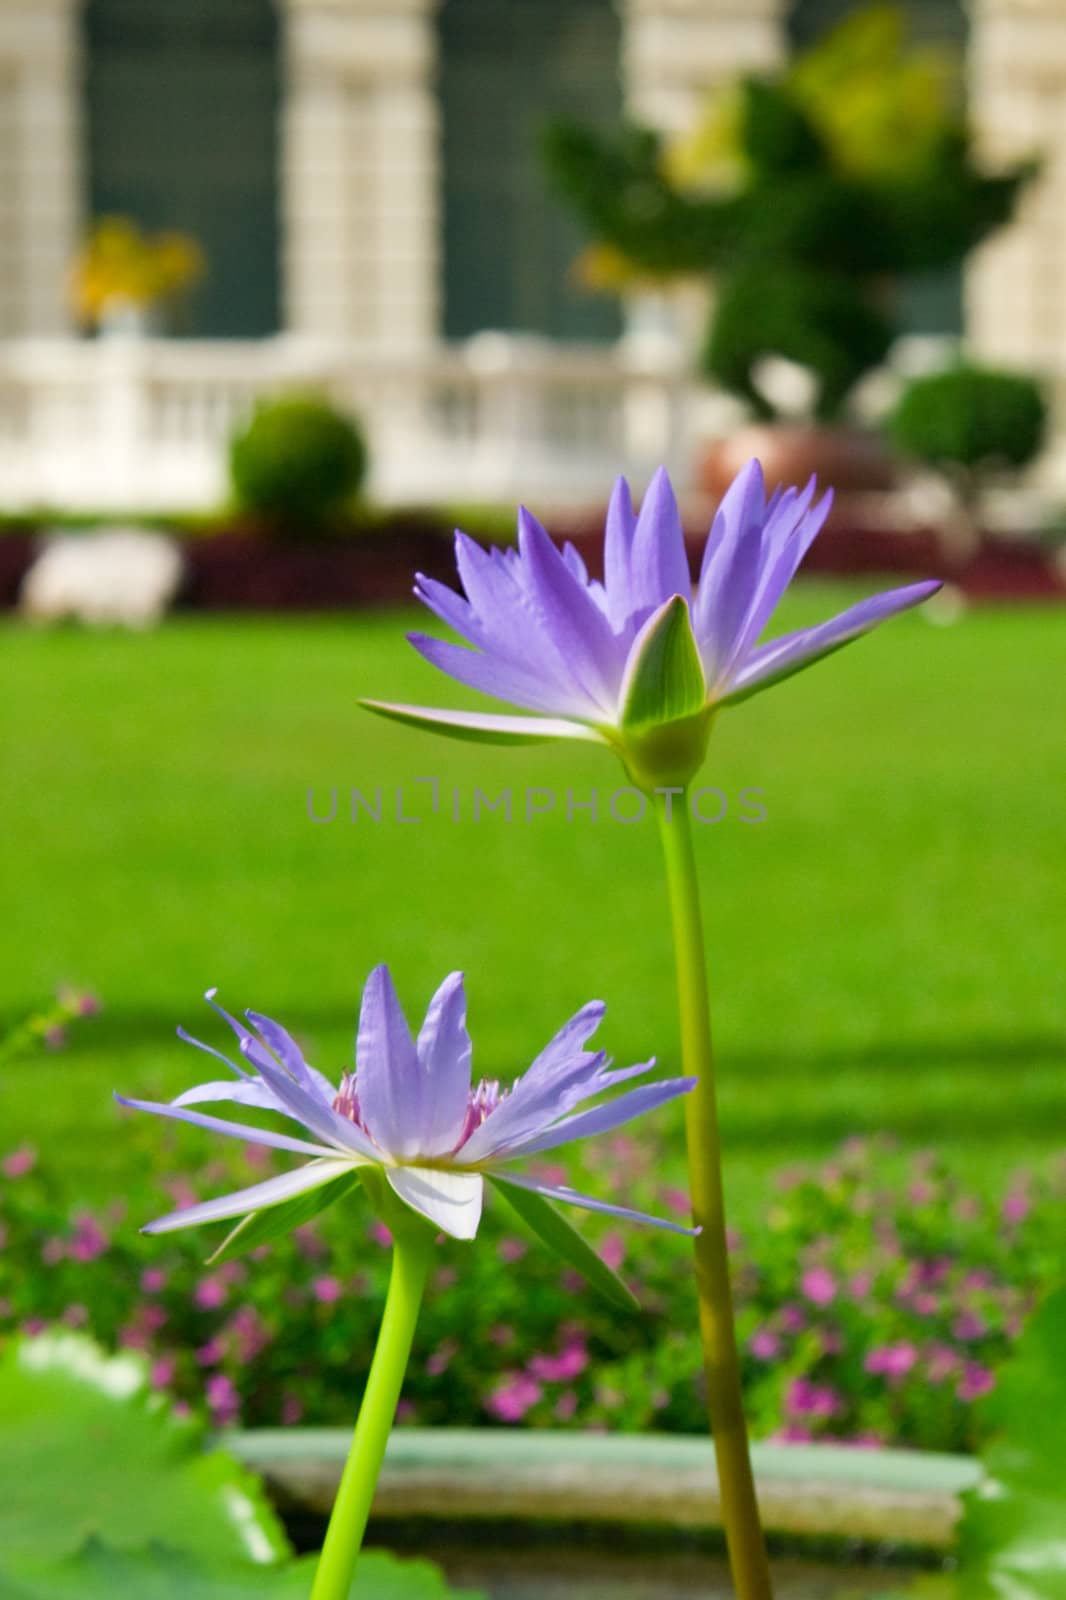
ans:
(40, 179)
(359, 170)
(1016, 283)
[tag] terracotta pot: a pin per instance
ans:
(845, 458)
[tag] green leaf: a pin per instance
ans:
(260, 1227)
(1012, 1544)
(162, 1573)
(553, 1230)
(88, 1450)
(664, 678)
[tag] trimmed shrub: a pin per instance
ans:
(970, 417)
(297, 461)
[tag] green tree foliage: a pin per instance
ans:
(801, 230)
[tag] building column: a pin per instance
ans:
(1016, 283)
(40, 182)
(675, 52)
(360, 233)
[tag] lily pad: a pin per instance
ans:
(101, 1573)
(88, 1451)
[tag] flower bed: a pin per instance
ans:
(232, 567)
(876, 1303)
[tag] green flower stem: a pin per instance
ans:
(740, 1510)
(411, 1258)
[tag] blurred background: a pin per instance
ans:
(287, 290)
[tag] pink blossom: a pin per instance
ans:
(969, 1325)
(511, 1401)
(210, 1293)
(793, 1318)
(327, 1290)
(443, 1278)
(867, 1440)
(19, 1162)
(211, 1353)
(511, 1249)
(257, 1156)
(819, 1286)
(222, 1398)
(181, 1192)
(676, 1200)
(52, 1251)
(162, 1372)
(75, 1316)
(792, 1433)
(975, 1381)
(380, 1234)
(764, 1344)
(941, 1362)
(860, 1284)
(551, 1172)
(566, 1405)
(807, 1399)
(441, 1358)
(569, 1363)
(90, 1241)
(892, 1361)
(612, 1250)
(1016, 1207)
(153, 1279)
(308, 1242)
(291, 1410)
(247, 1333)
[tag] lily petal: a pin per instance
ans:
(247, 1092)
(234, 1130)
(317, 1117)
(494, 676)
(388, 1076)
(572, 1197)
(782, 657)
(444, 1054)
(256, 1198)
(450, 1200)
(617, 555)
(658, 561)
(613, 1114)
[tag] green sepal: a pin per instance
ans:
(260, 1227)
(664, 678)
(553, 1230)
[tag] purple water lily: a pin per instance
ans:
(587, 658)
(409, 1108)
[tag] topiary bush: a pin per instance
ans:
(297, 461)
(970, 417)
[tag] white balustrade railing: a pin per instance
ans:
(129, 423)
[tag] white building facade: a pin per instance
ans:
(363, 180)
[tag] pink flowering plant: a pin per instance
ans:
(875, 1298)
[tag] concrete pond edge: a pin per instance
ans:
(902, 1497)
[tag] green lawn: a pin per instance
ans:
(887, 948)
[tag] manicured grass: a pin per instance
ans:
(887, 948)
